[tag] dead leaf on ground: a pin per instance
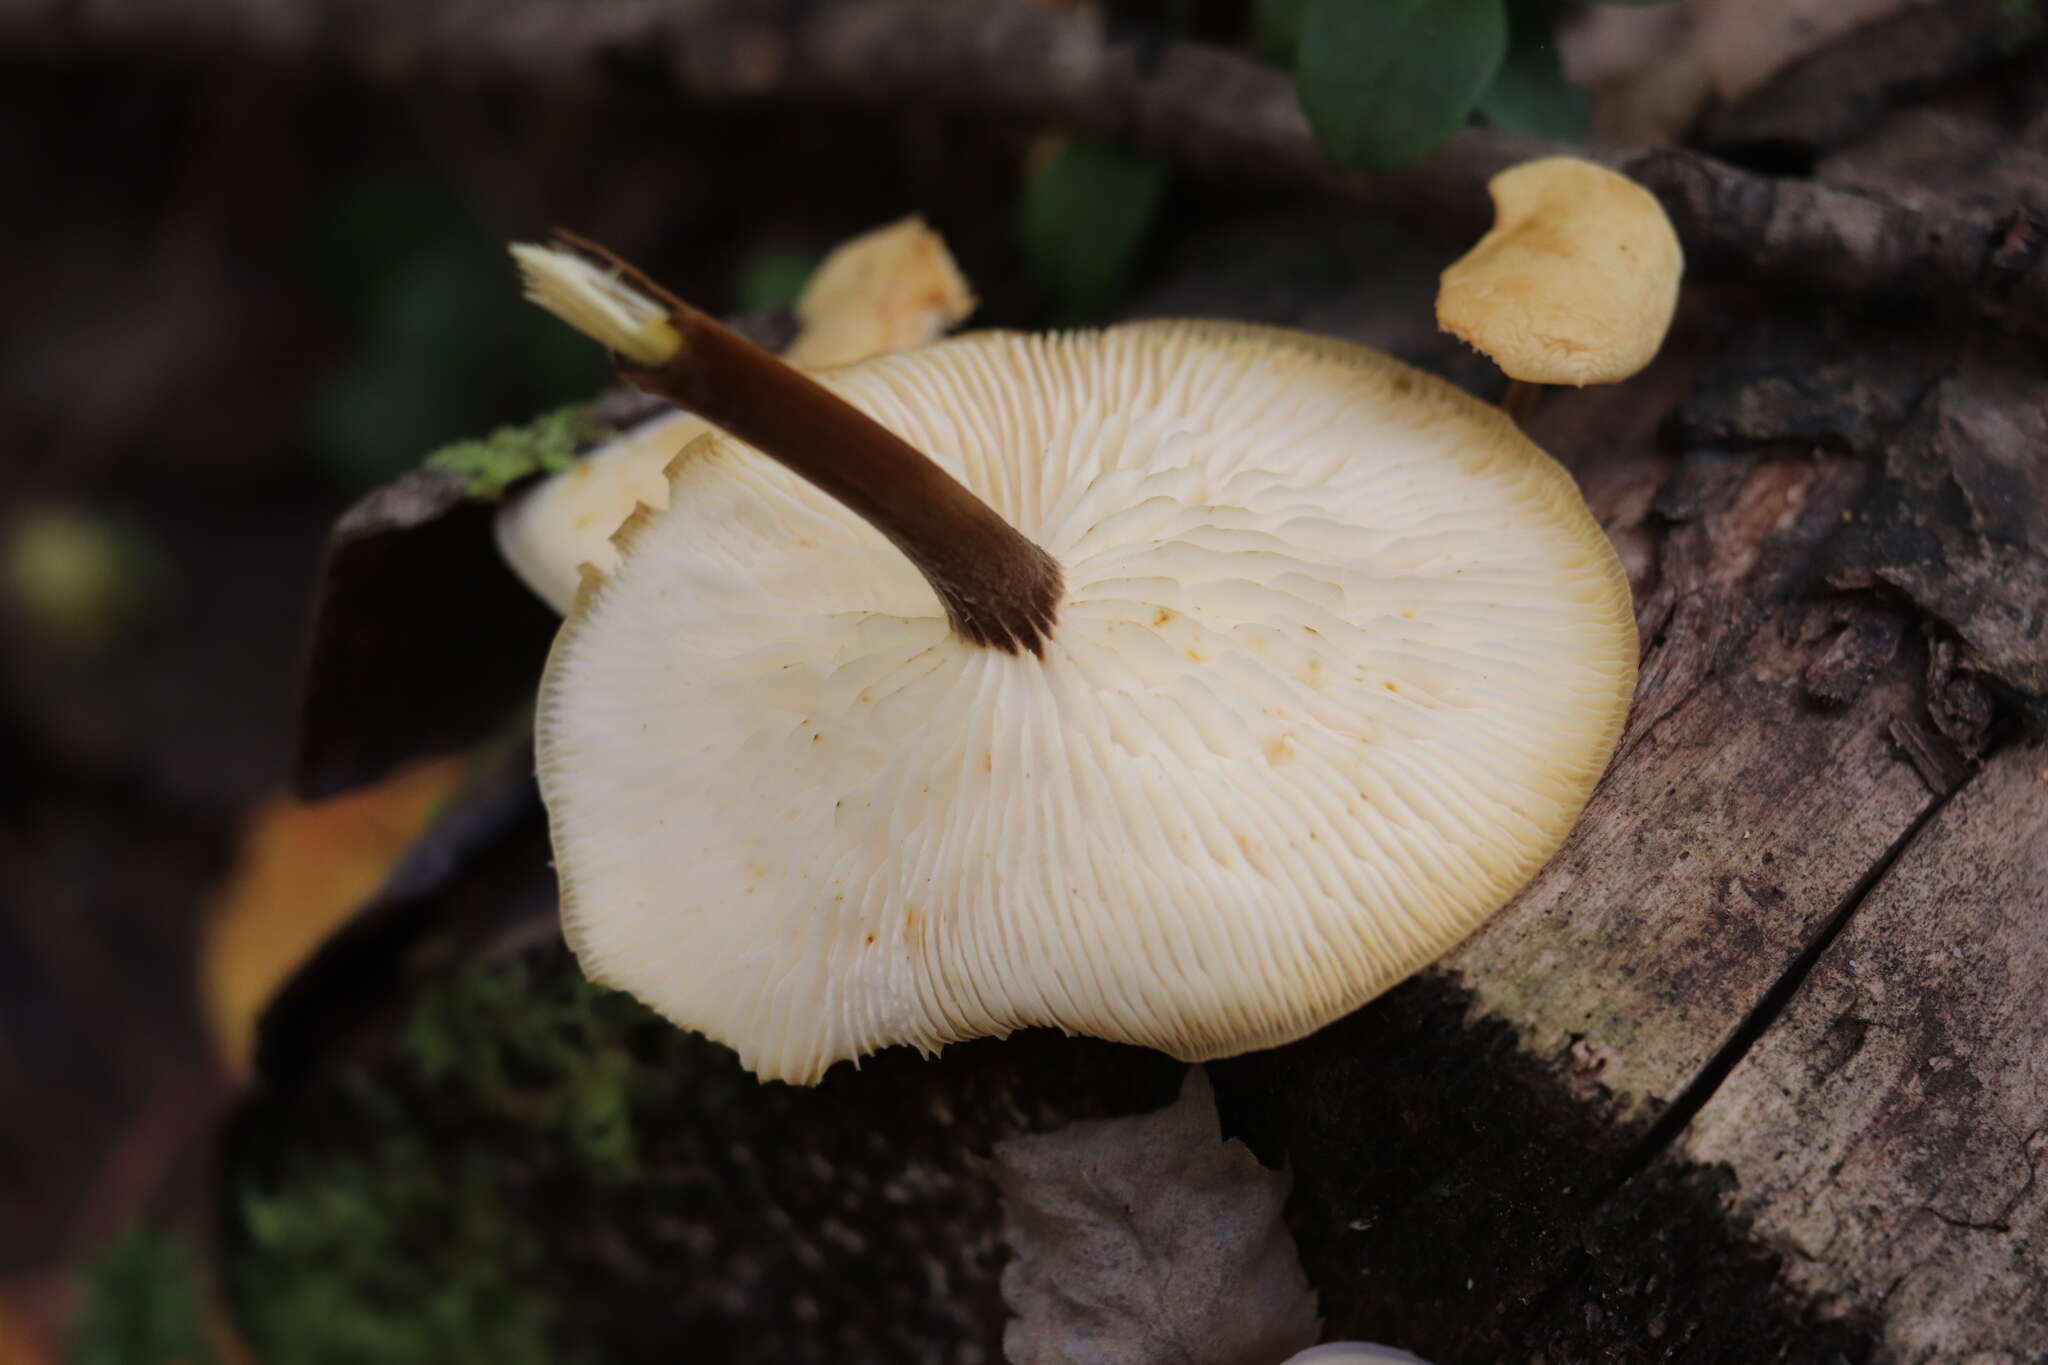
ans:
(18, 1346)
(304, 869)
(1149, 1241)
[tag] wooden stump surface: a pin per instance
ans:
(1755, 1070)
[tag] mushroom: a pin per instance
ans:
(885, 290)
(1181, 683)
(1576, 282)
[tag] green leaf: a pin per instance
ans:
(1384, 81)
(1531, 94)
(1084, 216)
(1276, 29)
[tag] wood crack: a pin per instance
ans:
(1666, 1128)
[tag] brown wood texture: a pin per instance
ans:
(1589, 1154)
(1890, 1132)
(1736, 818)
(1885, 1132)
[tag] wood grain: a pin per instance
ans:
(1890, 1132)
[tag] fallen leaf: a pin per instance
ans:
(19, 1345)
(1149, 1241)
(305, 868)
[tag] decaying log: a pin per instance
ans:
(1718, 1085)
(1572, 1143)
(1890, 1133)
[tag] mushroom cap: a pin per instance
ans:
(549, 533)
(894, 287)
(1340, 659)
(1577, 281)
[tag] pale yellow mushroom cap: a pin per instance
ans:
(882, 291)
(1577, 281)
(552, 532)
(1340, 659)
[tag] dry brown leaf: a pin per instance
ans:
(1149, 1241)
(303, 870)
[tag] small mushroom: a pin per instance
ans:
(1575, 284)
(885, 290)
(1182, 683)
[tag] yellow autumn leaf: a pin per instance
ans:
(17, 1345)
(304, 868)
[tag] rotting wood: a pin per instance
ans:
(1891, 1132)
(1738, 812)
(1465, 1218)
(1481, 1159)
(420, 642)
(405, 605)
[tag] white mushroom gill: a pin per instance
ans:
(1341, 657)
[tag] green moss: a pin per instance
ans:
(377, 1245)
(552, 1060)
(340, 1272)
(548, 444)
(142, 1304)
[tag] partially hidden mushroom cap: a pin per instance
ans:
(1577, 281)
(552, 532)
(886, 290)
(1339, 659)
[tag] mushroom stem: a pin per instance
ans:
(998, 588)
